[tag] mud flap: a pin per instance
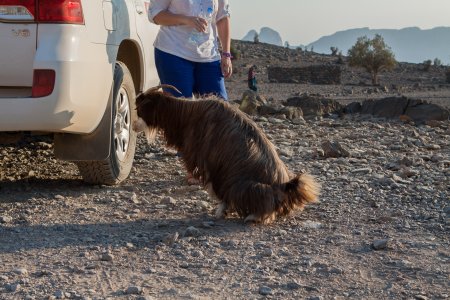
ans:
(96, 145)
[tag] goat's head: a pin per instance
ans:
(147, 105)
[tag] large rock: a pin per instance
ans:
(394, 107)
(386, 108)
(250, 36)
(266, 35)
(353, 108)
(315, 105)
(422, 111)
(270, 36)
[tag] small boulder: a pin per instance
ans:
(334, 149)
(251, 102)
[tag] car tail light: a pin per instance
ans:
(43, 83)
(17, 10)
(60, 11)
(43, 11)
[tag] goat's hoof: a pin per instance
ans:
(221, 211)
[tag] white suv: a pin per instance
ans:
(72, 68)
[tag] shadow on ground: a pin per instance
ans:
(141, 233)
(25, 189)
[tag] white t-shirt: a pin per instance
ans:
(184, 41)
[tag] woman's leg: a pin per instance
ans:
(175, 71)
(209, 80)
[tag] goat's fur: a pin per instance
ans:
(227, 151)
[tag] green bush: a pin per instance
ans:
(373, 55)
(235, 52)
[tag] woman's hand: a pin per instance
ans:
(167, 18)
(197, 23)
(227, 67)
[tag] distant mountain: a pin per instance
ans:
(409, 44)
(249, 37)
(266, 35)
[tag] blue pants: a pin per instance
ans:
(190, 77)
(252, 84)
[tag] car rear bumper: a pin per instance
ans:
(84, 75)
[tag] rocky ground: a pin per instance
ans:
(410, 80)
(380, 230)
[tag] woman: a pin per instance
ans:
(186, 49)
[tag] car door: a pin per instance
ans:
(18, 38)
(147, 33)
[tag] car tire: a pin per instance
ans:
(117, 166)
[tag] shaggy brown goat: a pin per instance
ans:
(227, 151)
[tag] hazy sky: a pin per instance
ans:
(305, 21)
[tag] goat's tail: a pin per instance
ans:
(299, 191)
(262, 203)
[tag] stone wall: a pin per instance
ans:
(317, 74)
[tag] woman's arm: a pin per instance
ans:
(223, 31)
(166, 18)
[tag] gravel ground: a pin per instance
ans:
(380, 230)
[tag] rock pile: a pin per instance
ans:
(315, 105)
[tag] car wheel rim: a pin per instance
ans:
(122, 124)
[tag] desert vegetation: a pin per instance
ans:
(334, 50)
(373, 55)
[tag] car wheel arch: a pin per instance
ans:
(129, 53)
